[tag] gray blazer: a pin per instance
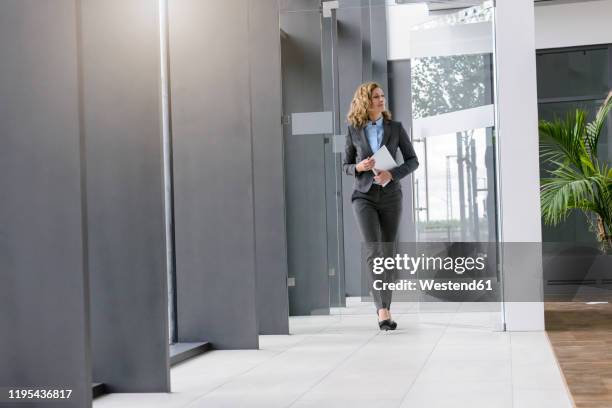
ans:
(357, 149)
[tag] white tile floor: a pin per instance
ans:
(448, 358)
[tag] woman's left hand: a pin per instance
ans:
(383, 176)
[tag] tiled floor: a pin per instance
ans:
(440, 356)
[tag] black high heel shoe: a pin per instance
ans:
(386, 325)
(392, 324)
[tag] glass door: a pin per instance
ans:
(310, 162)
(435, 63)
(453, 126)
(449, 59)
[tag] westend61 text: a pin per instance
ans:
(432, 285)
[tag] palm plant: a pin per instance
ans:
(577, 180)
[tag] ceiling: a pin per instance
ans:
(457, 4)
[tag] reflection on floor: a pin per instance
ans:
(581, 336)
(440, 356)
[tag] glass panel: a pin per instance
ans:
(450, 83)
(573, 73)
(550, 111)
(574, 228)
(453, 132)
(570, 75)
(454, 193)
(308, 175)
(437, 72)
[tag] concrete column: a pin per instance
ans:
(44, 290)
(518, 163)
(268, 167)
(213, 172)
(125, 203)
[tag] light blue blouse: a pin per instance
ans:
(374, 133)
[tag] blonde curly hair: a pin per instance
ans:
(358, 114)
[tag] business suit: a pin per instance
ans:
(378, 209)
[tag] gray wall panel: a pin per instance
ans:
(362, 57)
(213, 172)
(350, 59)
(305, 163)
(121, 82)
(400, 100)
(43, 295)
(268, 166)
(378, 45)
(333, 164)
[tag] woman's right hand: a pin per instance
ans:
(365, 164)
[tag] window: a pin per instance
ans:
(571, 78)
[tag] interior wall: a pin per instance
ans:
(333, 163)
(362, 57)
(350, 57)
(125, 203)
(44, 289)
(304, 160)
(82, 172)
(400, 98)
(213, 172)
(268, 165)
(572, 24)
(519, 184)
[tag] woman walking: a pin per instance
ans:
(377, 209)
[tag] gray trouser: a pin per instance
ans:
(378, 213)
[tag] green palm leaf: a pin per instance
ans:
(593, 129)
(565, 137)
(576, 179)
(563, 192)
